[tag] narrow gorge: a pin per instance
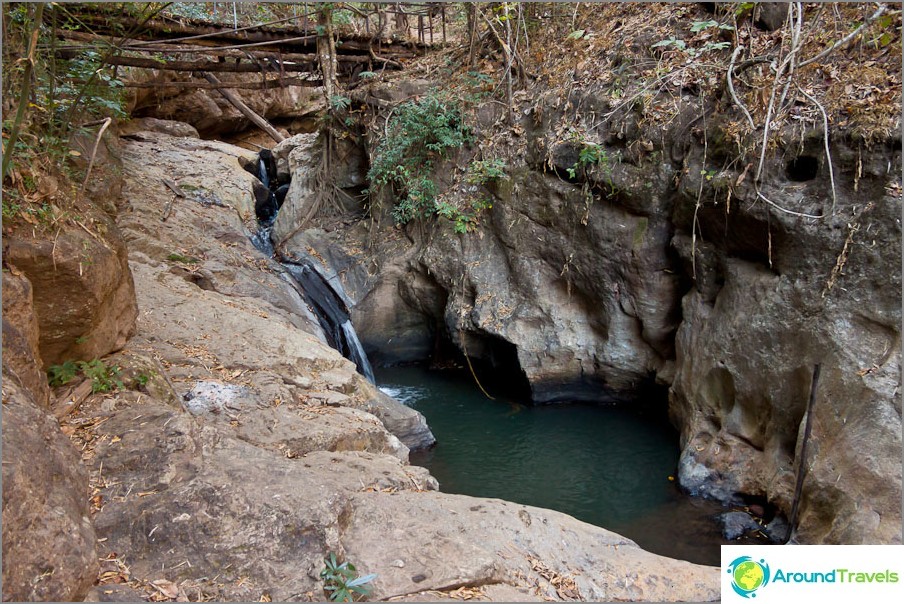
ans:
(632, 255)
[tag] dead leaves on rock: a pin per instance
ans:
(548, 582)
(114, 571)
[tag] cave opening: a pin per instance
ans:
(802, 169)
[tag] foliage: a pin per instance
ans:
(87, 85)
(342, 580)
(339, 102)
(103, 378)
(59, 375)
(484, 171)
(670, 41)
(591, 154)
(418, 133)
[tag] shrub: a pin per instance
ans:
(342, 580)
(419, 133)
(103, 378)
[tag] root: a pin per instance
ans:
(731, 89)
(825, 127)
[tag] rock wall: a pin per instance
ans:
(661, 266)
(208, 111)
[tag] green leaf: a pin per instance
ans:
(701, 25)
(576, 34)
(361, 580)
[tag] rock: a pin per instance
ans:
(152, 124)
(97, 314)
(737, 524)
(208, 111)
(442, 558)
(114, 593)
(48, 537)
(746, 353)
(404, 422)
(771, 15)
(20, 338)
(300, 156)
(204, 492)
(777, 530)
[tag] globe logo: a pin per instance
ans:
(748, 575)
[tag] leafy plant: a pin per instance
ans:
(697, 26)
(58, 375)
(591, 154)
(342, 580)
(103, 378)
(339, 102)
(484, 171)
(419, 133)
(671, 41)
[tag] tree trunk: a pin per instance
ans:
(326, 52)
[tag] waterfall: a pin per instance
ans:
(356, 351)
(327, 300)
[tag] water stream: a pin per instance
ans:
(326, 299)
(606, 466)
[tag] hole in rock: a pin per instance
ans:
(802, 169)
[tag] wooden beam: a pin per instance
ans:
(246, 110)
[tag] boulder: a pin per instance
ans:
(152, 124)
(48, 535)
(97, 314)
(737, 524)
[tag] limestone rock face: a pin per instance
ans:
(48, 537)
(746, 356)
(97, 314)
(207, 110)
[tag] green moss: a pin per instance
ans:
(639, 231)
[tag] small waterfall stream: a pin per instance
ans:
(327, 300)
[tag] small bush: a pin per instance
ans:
(420, 132)
(483, 171)
(343, 582)
(103, 378)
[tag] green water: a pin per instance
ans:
(604, 465)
